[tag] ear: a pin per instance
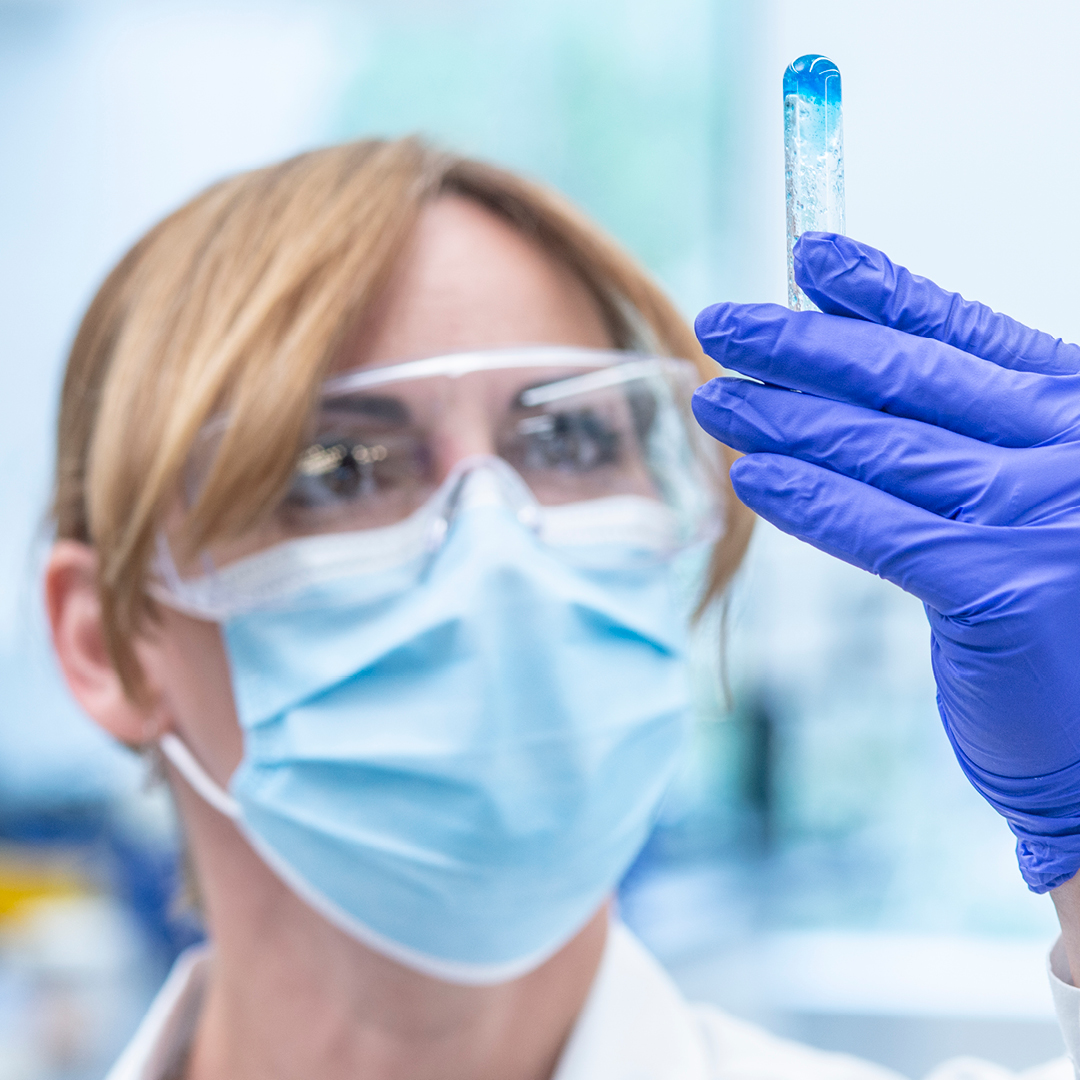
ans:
(78, 636)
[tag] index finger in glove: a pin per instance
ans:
(943, 472)
(882, 368)
(844, 277)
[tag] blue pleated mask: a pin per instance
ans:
(458, 772)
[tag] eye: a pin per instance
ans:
(338, 470)
(576, 441)
(319, 460)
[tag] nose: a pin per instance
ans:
(465, 432)
(489, 481)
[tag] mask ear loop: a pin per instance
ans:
(197, 777)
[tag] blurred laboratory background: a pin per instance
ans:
(821, 866)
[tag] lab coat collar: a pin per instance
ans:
(159, 1046)
(634, 1023)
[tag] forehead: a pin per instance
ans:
(470, 280)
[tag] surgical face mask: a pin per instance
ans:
(458, 725)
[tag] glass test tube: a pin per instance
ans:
(813, 157)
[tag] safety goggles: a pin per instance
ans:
(595, 451)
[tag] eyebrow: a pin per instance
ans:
(390, 409)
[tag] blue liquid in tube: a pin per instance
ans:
(813, 157)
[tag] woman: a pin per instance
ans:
(375, 487)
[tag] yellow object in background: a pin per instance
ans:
(27, 880)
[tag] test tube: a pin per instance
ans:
(813, 157)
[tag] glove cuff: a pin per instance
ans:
(1045, 862)
(1043, 814)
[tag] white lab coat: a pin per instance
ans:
(635, 1026)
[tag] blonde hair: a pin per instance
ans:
(241, 298)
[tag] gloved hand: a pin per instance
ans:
(936, 444)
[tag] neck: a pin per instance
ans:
(290, 996)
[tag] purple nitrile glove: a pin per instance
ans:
(937, 445)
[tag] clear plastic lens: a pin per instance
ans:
(362, 472)
(606, 428)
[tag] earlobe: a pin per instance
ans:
(78, 636)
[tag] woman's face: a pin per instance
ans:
(469, 281)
